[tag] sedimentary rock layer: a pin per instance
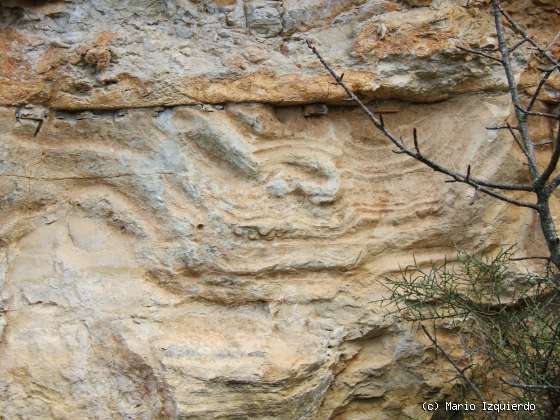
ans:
(194, 222)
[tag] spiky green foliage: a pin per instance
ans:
(510, 321)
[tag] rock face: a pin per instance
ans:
(194, 223)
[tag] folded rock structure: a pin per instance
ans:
(195, 222)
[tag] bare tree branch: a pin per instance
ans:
(543, 80)
(479, 184)
(517, 45)
(556, 181)
(543, 178)
(481, 53)
(526, 36)
(554, 184)
(530, 258)
(415, 139)
(512, 84)
(520, 134)
(546, 219)
(460, 371)
(538, 114)
(527, 386)
(502, 127)
(514, 136)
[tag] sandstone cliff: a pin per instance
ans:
(194, 221)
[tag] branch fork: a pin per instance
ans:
(541, 185)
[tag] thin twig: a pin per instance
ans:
(543, 143)
(517, 45)
(556, 181)
(514, 136)
(530, 258)
(529, 386)
(543, 178)
(539, 87)
(460, 371)
(481, 53)
(552, 346)
(502, 127)
(538, 114)
(527, 37)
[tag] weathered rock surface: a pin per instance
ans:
(180, 238)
